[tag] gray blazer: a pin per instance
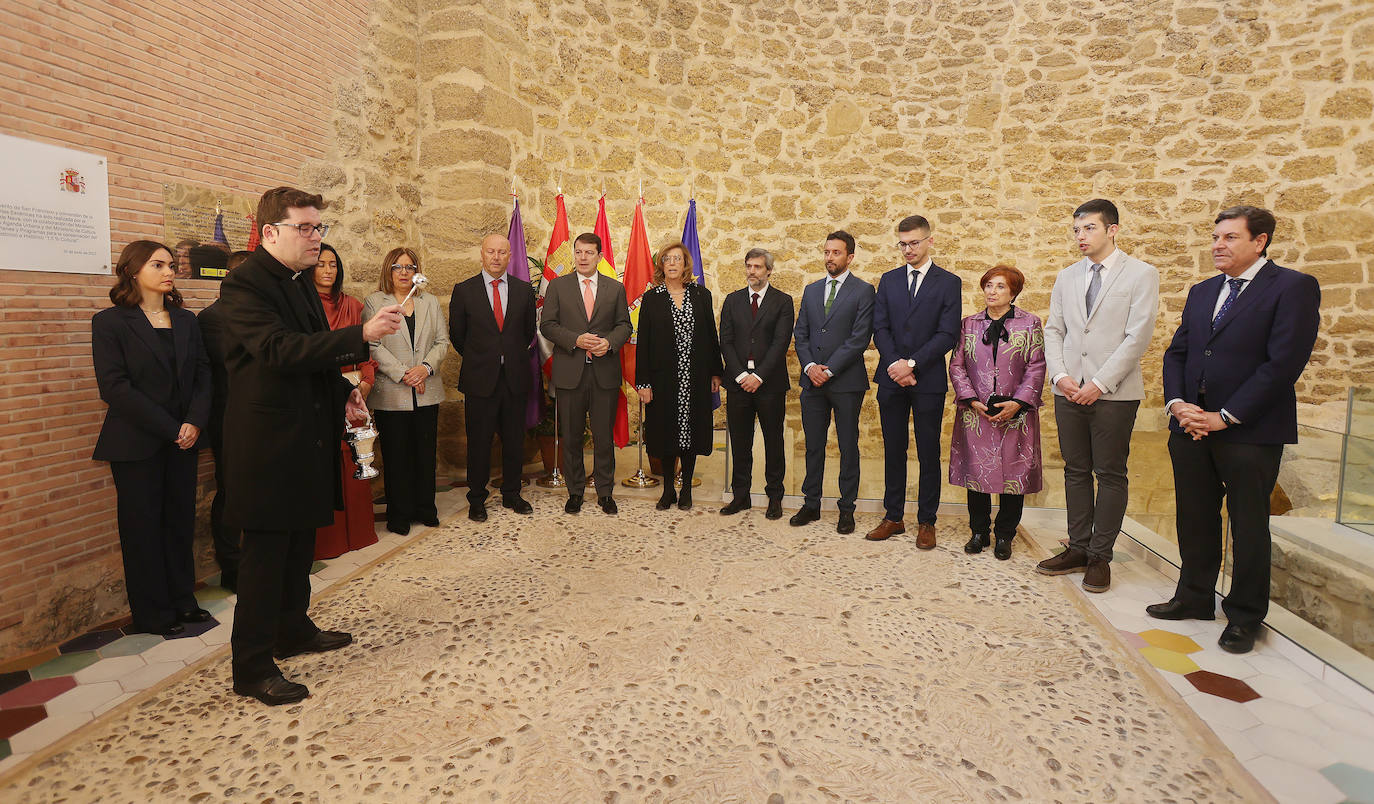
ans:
(395, 353)
(1106, 343)
(564, 318)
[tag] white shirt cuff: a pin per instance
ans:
(741, 377)
(1101, 386)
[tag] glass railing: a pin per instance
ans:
(1355, 500)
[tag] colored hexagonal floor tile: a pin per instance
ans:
(195, 629)
(131, 645)
(93, 640)
(36, 692)
(31, 660)
(316, 567)
(4, 748)
(1132, 639)
(1357, 783)
(1170, 641)
(1232, 689)
(1169, 660)
(13, 721)
(65, 665)
(16, 678)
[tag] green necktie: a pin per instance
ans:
(830, 297)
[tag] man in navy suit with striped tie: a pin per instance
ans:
(1243, 341)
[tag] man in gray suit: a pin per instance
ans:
(834, 326)
(587, 320)
(1102, 314)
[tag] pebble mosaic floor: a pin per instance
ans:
(1302, 731)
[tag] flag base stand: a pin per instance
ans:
(677, 480)
(640, 480)
(553, 480)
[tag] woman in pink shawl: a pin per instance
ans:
(355, 526)
(998, 373)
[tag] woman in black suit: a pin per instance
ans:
(677, 368)
(151, 368)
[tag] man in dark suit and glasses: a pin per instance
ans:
(587, 320)
(491, 324)
(915, 324)
(282, 425)
(834, 327)
(1242, 342)
(755, 329)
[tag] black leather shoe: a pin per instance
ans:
(573, 505)
(735, 506)
(273, 691)
(477, 511)
(684, 500)
(168, 630)
(517, 504)
(667, 499)
(977, 543)
(399, 528)
(1001, 549)
(774, 509)
(804, 516)
(607, 504)
(321, 642)
(430, 521)
(1178, 610)
(196, 615)
(846, 523)
(1238, 638)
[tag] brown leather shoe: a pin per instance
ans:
(1070, 560)
(886, 530)
(1098, 576)
(925, 536)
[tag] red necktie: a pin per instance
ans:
(754, 305)
(496, 304)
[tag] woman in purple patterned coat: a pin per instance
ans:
(998, 374)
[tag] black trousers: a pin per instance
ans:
(1009, 508)
(409, 439)
(817, 404)
(897, 408)
(274, 594)
(503, 414)
(1205, 472)
(741, 409)
(156, 511)
(226, 538)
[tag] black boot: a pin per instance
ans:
(976, 543)
(669, 497)
(1002, 550)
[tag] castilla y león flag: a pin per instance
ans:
(621, 433)
(557, 261)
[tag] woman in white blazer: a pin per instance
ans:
(406, 398)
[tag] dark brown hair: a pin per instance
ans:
(275, 202)
(1015, 279)
(384, 282)
(336, 289)
(1258, 221)
(125, 292)
(689, 279)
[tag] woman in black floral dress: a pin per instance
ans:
(677, 369)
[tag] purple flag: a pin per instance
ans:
(519, 268)
(693, 244)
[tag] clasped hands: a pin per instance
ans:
(901, 373)
(415, 377)
(1087, 394)
(187, 435)
(1005, 410)
(1195, 421)
(646, 395)
(595, 345)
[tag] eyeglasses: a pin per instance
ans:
(903, 245)
(409, 269)
(672, 259)
(307, 229)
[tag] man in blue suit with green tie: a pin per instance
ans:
(834, 326)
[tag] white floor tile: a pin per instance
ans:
(1293, 692)
(1181, 685)
(219, 635)
(84, 698)
(1270, 663)
(1220, 711)
(1287, 716)
(1351, 692)
(1240, 745)
(1346, 719)
(1291, 746)
(47, 731)
(1292, 783)
(173, 650)
(111, 704)
(148, 676)
(1294, 653)
(109, 669)
(1223, 663)
(1358, 751)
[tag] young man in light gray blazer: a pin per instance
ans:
(1102, 315)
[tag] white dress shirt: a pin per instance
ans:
(761, 291)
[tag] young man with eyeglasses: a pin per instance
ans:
(282, 424)
(916, 319)
(1102, 315)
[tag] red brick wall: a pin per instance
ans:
(233, 96)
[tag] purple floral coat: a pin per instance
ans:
(997, 458)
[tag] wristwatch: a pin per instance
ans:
(911, 364)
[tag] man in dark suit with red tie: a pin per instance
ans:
(755, 330)
(491, 324)
(1243, 341)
